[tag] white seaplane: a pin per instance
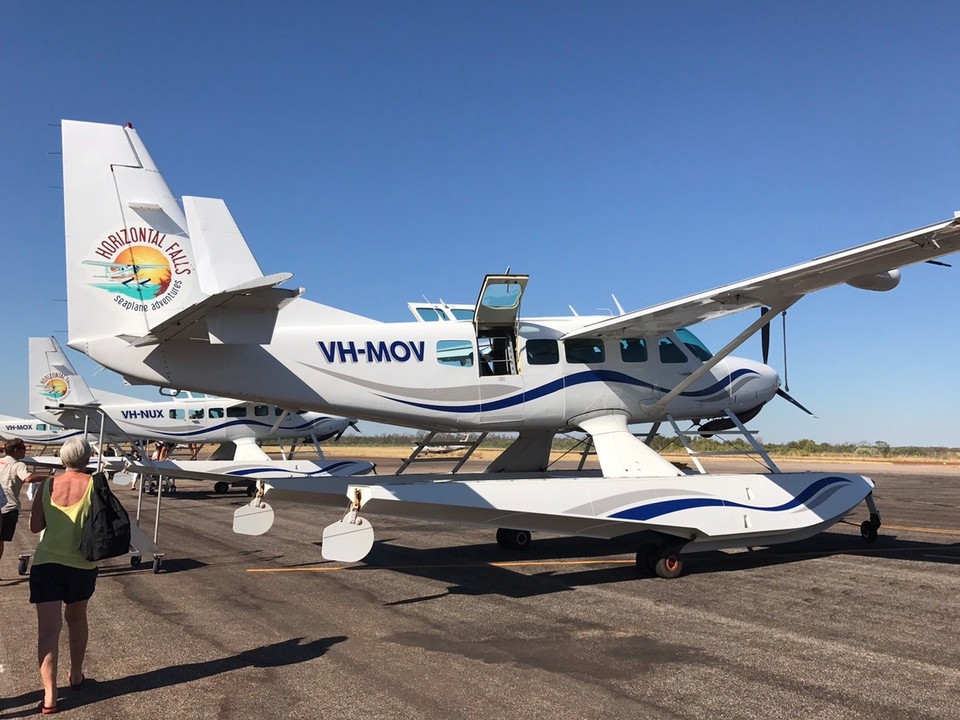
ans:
(59, 396)
(33, 431)
(219, 325)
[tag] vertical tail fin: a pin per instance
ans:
(130, 263)
(216, 238)
(53, 379)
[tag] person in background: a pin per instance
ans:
(13, 474)
(60, 574)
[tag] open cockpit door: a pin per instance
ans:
(496, 318)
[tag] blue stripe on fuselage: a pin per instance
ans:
(588, 376)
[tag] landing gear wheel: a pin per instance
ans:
(135, 561)
(157, 565)
(669, 565)
(22, 565)
(513, 539)
(251, 490)
(868, 530)
(220, 487)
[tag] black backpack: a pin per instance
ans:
(106, 533)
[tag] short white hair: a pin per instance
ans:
(75, 454)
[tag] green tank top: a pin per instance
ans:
(61, 539)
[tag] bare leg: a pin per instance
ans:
(76, 616)
(49, 623)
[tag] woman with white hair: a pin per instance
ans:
(60, 574)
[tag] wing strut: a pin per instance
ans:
(760, 322)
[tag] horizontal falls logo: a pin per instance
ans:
(141, 267)
(54, 386)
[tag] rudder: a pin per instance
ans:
(130, 263)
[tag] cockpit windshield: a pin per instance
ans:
(694, 344)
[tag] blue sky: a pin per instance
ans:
(384, 151)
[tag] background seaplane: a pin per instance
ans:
(32, 431)
(229, 329)
(59, 394)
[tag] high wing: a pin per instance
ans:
(784, 286)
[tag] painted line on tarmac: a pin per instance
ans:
(906, 528)
(510, 563)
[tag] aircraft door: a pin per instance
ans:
(540, 370)
(495, 320)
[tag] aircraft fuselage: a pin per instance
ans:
(437, 375)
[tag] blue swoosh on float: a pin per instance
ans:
(665, 507)
(322, 470)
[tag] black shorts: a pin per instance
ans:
(8, 523)
(51, 582)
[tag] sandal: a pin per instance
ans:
(44, 710)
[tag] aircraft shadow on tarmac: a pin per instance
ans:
(287, 652)
(473, 569)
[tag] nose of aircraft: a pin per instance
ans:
(758, 383)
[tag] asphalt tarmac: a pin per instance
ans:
(440, 622)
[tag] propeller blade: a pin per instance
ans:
(350, 424)
(783, 393)
(937, 262)
(765, 336)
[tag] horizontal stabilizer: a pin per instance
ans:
(245, 313)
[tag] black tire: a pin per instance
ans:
(22, 565)
(135, 561)
(251, 490)
(221, 488)
(868, 531)
(669, 565)
(513, 539)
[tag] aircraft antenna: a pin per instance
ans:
(508, 270)
(617, 303)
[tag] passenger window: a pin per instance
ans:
(237, 411)
(216, 413)
(177, 414)
(196, 414)
(584, 350)
(277, 411)
(670, 353)
(261, 410)
(42, 426)
(458, 353)
(429, 314)
(633, 350)
(543, 352)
